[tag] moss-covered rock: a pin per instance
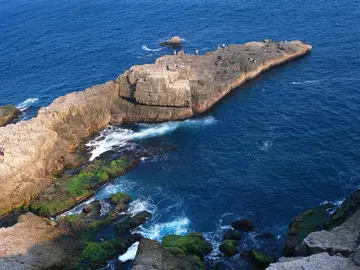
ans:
(302, 225)
(232, 235)
(243, 224)
(7, 114)
(119, 197)
(97, 254)
(344, 211)
(192, 244)
(229, 247)
(70, 190)
(131, 222)
(262, 258)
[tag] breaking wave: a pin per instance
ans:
(120, 136)
(157, 231)
(130, 253)
(146, 48)
(26, 104)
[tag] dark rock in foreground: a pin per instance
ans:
(7, 114)
(262, 258)
(302, 225)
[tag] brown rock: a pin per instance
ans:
(7, 114)
(174, 41)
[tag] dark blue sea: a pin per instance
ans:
(277, 145)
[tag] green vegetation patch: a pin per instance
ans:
(192, 244)
(69, 190)
(229, 247)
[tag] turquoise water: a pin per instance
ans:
(274, 147)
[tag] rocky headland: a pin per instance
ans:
(39, 152)
(175, 87)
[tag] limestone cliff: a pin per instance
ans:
(173, 88)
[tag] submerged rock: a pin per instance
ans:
(229, 247)
(243, 225)
(232, 235)
(7, 114)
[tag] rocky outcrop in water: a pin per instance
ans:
(173, 88)
(173, 42)
(7, 114)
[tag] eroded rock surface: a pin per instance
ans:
(321, 261)
(174, 87)
(7, 114)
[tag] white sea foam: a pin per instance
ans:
(119, 137)
(130, 253)
(157, 231)
(266, 145)
(146, 48)
(26, 104)
(305, 82)
(142, 204)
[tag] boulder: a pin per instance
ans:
(191, 244)
(343, 239)
(302, 225)
(173, 42)
(232, 235)
(152, 256)
(7, 114)
(229, 247)
(262, 258)
(243, 225)
(321, 261)
(344, 211)
(119, 197)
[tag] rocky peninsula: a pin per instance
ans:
(175, 87)
(36, 151)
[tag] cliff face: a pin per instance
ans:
(174, 87)
(179, 86)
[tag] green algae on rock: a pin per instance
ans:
(302, 225)
(344, 211)
(229, 247)
(262, 258)
(191, 244)
(119, 197)
(70, 190)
